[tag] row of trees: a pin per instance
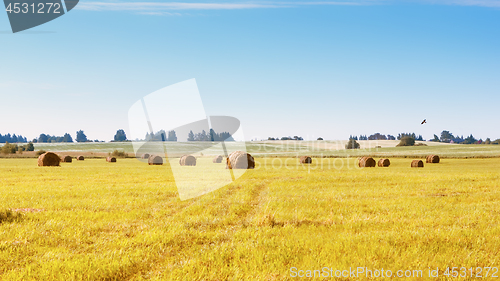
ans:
(286, 138)
(376, 136)
(448, 137)
(12, 138)
(162, 136)
(408, 139)
(121, 136)
(202, 136)
(46, 138)
(411, 135)
(211, 136)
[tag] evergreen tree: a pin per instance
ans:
(225, 136)
(352, 144)
(67, 138)
(190, 136)
(213, 136)
(470, 140)
(80, 136)
(43, 138)
(172, 136)
(203, 136)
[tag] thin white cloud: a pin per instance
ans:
(160, 8)
(156, 8)
(479, 3)
(160, 14)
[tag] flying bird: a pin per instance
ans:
(423, 122)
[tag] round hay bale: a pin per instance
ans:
(67, 159)
(49, 159)
(187, 160)
(218, 159)
(240, 160)
(366, 162)
(417, 164)
(432, 159)
(306, 160)
(384, 162)
(155, 160)
(111, 159)
(80, 158)
(145, 156)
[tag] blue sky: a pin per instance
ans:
(313, 69)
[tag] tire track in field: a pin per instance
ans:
(258, 192)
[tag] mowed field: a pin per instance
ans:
(374, 148)
(93, 220)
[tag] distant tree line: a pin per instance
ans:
(410, 138)
(376, 136)
(67, 138)
(411, 135)
(43, 138)
(448, 137)
(161, 136)
(12, 138)
(286, 138)
(46, 138)
(211, 136)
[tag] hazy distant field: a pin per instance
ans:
(95, 220)
(298, 148)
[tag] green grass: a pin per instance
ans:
(93, 220)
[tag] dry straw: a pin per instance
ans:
(218, 159)
(187, 160)
(49, 159)
(432, 159)
(240, 160)
(155, 160)
(145, 156)
(80, 158)
(384, 162)
(67, 159)
(305, 160)
(366, 161)
(417, 164)
(111, 159)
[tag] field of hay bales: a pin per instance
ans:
(373, 148)
(95, 221)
